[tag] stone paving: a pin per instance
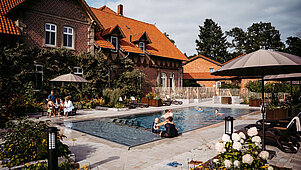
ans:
(197, 144)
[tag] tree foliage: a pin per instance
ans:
(294, 46)
(258, 36)
(212, 42)
(167, 36)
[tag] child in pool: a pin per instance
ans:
(200, 109)
(155, 128)
(219, 114)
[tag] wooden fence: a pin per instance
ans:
(209, 92)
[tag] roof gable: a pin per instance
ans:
(160, 45)
(205, 58)
(141, 36)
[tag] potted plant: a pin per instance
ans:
(148, 97)
(241, 152)
(274, 112)
(254, 102)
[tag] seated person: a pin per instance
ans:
(154, 128)
(68, 106)
(168, 113)
(200, 109)
(170, 128)
(50, 106)
(219, 114)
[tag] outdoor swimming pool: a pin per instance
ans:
(135, 130)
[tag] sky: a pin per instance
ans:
(181, 18)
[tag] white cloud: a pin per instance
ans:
(180, 19)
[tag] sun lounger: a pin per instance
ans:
(169, 100)
(134, 103)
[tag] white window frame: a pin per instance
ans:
(164, 80)
(211, 70)
(77, 72)
(142, 46)
(38, 71)
(172, 82)
(51, 31)
(116, 47)
(68, 34)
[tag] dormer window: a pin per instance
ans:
(142, 46)
(114, 41)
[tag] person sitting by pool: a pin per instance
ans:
(170, 128)
(155, 129)
(219, 114)
(168, 113)
(200, 109)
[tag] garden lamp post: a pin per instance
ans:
(52, 151)
(229, 125)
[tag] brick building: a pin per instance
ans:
(149, 49)
(49, 23)
(199, 69)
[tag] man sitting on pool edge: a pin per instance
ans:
(170, 128)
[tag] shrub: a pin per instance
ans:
(230, 86)
(26, 141)
(111, 96)
(150, 95)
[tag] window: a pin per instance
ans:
(164, 80)
(114, 41)
(211, 70)
(142, 46)
(78, 71)
(68, 37)
(38, 76)
(50, 37)
(172, 81)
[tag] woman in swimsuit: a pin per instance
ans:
(170, 128)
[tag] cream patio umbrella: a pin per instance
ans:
(261, 63)
(70, 78)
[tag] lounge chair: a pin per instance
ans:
(171, 101)
(134, 103)
(282, 137)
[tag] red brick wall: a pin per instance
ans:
(60, 12)
(199, 65)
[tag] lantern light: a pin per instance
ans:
(229, 125)
(52, 151)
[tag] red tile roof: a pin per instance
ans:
(203, 76)
(206, 58)
(160, 45)
(7, 26)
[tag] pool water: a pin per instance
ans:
(136, 129)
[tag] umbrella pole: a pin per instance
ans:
(262, 111)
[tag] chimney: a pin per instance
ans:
(120, 9)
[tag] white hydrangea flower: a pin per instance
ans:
(247, 159)
(237, 146)
(270, 168)
(242, 135)
(226, 138)
(242, 141)
(235, 137)
(252, 131)
(215, 161)
(264, 155)
(227, 163)
(256, 139)
(220, 147)
(236, 164)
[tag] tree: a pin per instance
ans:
(294, 46)
(167, 36)
(258, 36)
(212, 42)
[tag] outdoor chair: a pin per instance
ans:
(134, 103)
(168, 99)
(282, 137)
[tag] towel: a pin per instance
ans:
(298, 127)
